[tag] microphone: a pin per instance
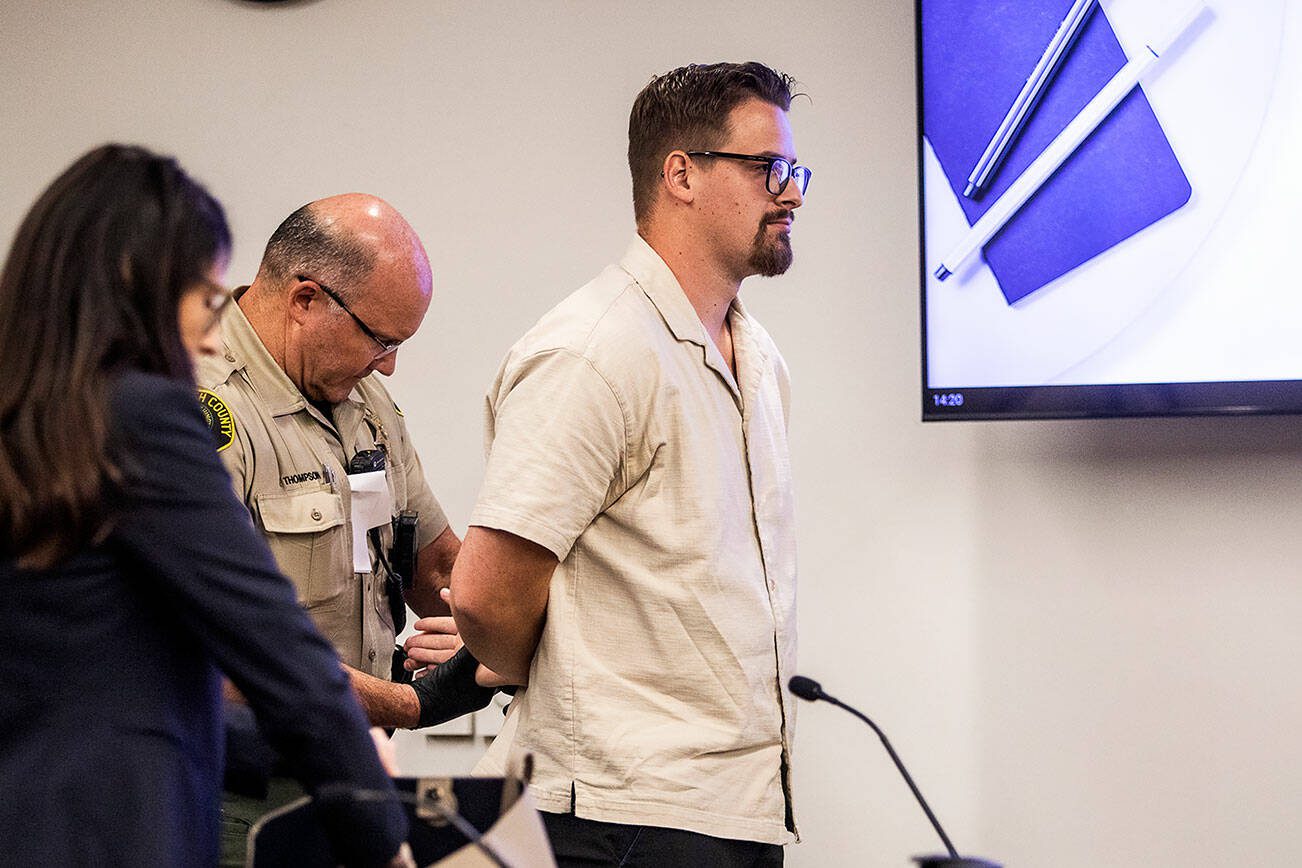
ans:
(811, 691)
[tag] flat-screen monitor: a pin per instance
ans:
(1111, 207)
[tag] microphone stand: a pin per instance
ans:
(908, 779)
(810, 690)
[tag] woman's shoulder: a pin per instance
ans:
(139, 398)
(132, 385)
(149, 410)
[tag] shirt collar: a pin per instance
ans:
(663, 289)
(652, 274)
(658, 282)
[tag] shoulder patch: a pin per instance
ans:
(218, 416)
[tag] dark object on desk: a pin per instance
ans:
(975, 57)
(444, 815)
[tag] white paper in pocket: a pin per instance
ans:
(370, 508)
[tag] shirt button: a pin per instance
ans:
(230, 357)
(371, 655)
(316, 515)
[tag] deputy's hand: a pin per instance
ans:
(450, 690)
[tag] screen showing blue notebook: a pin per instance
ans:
(1148, 271)
(976, 55)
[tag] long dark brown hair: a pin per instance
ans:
(91, 287)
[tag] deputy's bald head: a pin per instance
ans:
(342, 282)
(340, 240)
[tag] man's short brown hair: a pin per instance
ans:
(688, 108)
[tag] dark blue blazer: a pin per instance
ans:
(110, 668)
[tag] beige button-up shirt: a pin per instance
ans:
(619, 440)
(288, 464)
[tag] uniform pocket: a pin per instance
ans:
(308, 536)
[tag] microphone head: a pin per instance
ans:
(806, 688)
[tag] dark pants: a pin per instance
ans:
(588, 843)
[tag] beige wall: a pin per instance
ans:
(1082, 637)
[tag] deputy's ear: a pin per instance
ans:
(677, 176)
(301, 294)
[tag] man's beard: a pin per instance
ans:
(770, 257)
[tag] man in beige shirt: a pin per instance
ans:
(631, 557)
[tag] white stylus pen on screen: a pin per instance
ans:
(1062, 147)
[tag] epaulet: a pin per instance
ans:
(213, 371)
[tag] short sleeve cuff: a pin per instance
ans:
(523, 526)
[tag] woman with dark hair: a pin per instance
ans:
(130, 574)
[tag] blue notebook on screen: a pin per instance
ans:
(976, 54)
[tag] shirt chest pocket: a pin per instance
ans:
(309, 538)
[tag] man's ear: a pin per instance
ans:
(677, 177)
(301, 294)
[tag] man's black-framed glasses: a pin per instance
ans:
(386, 347)
(780, 170)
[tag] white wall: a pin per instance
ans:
(1082, 637)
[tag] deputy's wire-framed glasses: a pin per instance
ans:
(386, 347)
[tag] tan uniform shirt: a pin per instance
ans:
(288, 465)
(619, 440)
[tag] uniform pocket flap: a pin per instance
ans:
(305, 512)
